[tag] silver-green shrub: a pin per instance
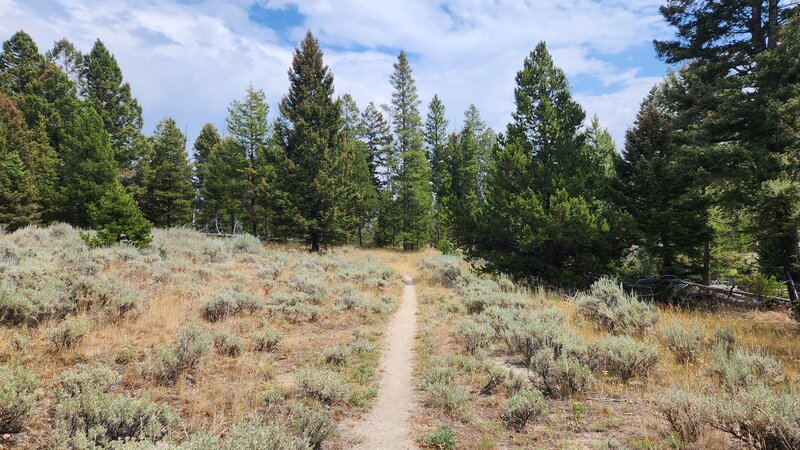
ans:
(336, 355)
(686, 412)
(183, 358)
(685, 342)
(228, 344)
(473, 335)
(523, 407)
(68, 333)
(314, 424)
(612, 309)
(253, 434)
(266, 340)
(738, 369)
(93, 417)
(558, 376)
(628, 358)
(17, 398)
(324, 385)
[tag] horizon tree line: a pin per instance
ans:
(707, 174)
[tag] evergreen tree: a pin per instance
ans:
(412, 193)
(247, 122)
(309, 135)
(116, 218)
(18, 206)
(89, 166)
(376, 134)
(111, 97)
(486, 140)
(169, 192)
(461, 197)
(21, 61)
(37, 176)
(66, 57)
(537, 220)
(207, 139)
(224, 183)
(657, 191)
(727, 106)
(436, 145)
(361, 195)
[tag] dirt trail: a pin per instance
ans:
(388, 424)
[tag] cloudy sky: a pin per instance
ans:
(189, 58)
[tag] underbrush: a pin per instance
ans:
(575, 368)
(187, 333)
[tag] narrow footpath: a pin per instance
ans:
(388, 424)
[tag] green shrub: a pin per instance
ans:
(738, 369)
(227, 344)
(69, 333)
(117, 218)
(93, 417)
(245, 244)
(628, 358)
(684, 342)
(760, 284)
(337, 355)
(17, 398)
(266, 340)
(523, 407)
(272, 397)
(686, 412)
(759, 417)
(14, 308)
(558, 377)
(612, 309)
(324, 385)
(473, 335)
(183, 358)
(443, 438)
(253, 434)
(88, 377)
(362, 345)
(443, 269)
(222, 304)
(314, 424)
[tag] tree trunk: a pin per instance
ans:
(707, 262)
(772, 30)
(315, 242)
(756, 30)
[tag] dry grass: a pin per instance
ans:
(611, 414)
(171, 280)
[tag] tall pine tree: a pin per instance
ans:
(169, 191)
(309, 135)
(376, 134)
(225, 181)
(111, 97)
(89, 166)
(247, 122)
(207, 139)
(436, 146)
(412, 198)
(537, 220)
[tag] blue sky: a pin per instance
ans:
(189, 58)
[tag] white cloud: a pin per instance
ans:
(190, 59)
